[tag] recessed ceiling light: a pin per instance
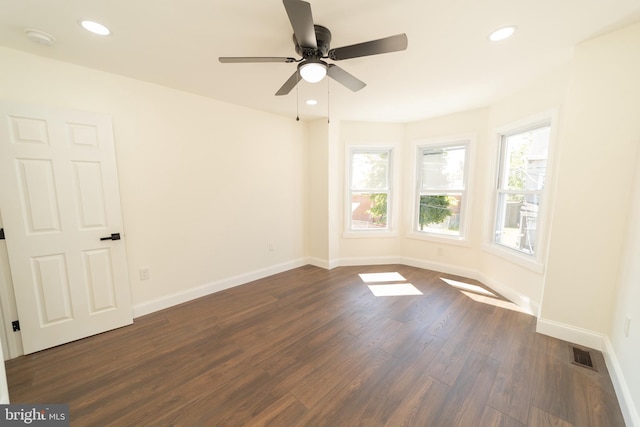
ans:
(95, 28)
(502, 33)
(311, 102)
(39, 36)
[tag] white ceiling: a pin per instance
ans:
(449, 65)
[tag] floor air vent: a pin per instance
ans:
(582, 358)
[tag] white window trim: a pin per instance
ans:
(392, 227)
(465, 224)
(534, 262)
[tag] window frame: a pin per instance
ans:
(535, 261)
(461, 239)
(389, 230)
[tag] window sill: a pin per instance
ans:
(369, 234)
(511, 255)
(431, 237)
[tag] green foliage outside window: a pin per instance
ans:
(433, 210)
(378, 210)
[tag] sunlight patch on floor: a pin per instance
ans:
(495, 302)
(397, 289)
(484, 296)
(468, 287)
(381, 277)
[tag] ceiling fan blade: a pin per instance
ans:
(299, 13)
(373, 47)
(344, 78)
(289, 84)
(247, 59)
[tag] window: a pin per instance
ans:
(521, 177)
(442, 189)
(369, 188)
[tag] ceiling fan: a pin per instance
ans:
(312, 44)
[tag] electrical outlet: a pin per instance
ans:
(271, 247)
(439, 251)
(145, 273)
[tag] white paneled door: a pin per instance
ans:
(60, 207)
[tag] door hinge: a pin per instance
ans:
(16, 325)
(1, 233)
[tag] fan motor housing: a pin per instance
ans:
(323, 38)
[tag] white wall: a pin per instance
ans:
(599, 140)
(205, 186)
(318, 193)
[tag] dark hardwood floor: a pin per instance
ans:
(311, 347)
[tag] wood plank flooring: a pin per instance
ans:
(311, 347)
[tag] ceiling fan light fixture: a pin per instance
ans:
(313, 70)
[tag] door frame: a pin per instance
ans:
(11, 341)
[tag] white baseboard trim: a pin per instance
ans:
(210, 288)
(627, 406)
(413, 262)
(570, 333)
(348, 262)
(441, 267)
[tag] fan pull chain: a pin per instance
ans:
(328, 103)
(297, 102)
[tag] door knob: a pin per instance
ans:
(114, 236)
